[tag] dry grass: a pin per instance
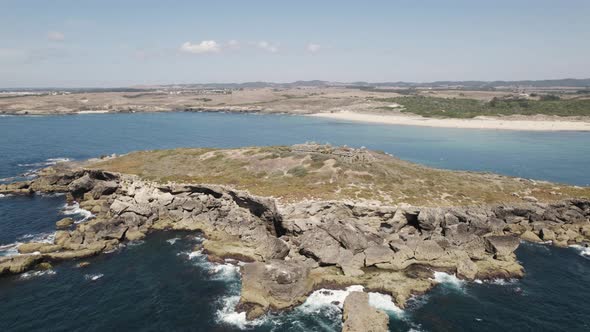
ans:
(291, 175)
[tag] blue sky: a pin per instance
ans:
(120, 43)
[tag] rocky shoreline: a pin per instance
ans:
(296, 248)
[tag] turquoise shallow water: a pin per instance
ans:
(156, 285)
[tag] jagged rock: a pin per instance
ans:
(117, 207)
(430, 219)
(81, 185)
(104, 188)
(359, 316)
(501, 246)
(530, 237)
(64, 223)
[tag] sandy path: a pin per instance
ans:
(475, 123)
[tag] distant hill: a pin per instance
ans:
(567, 82)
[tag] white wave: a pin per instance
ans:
(173, 241)
(326, 298)
(503, 282)
(135, 243)
(226, 271)
(47, 162)
(584, 251)
(228, 314)
(40, 237)
(194, 254)
(50, 194)
(32, 274)
(4, 195)
(384, 302)
(11, 249)
(75, 210)
(93, 277)
(449, 279)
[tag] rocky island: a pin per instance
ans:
(310, 216)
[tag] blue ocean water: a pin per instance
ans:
(159, 285)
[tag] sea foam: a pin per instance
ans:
(75, 210)
(583, 251)
(449, 279)
(33, 274)
(93, 277)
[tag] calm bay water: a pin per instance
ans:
(159, 285)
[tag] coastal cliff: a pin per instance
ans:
(396, 226)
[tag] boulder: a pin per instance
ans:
(318, 244)
(275, 285)
(530, 237)
(103, 188)
(64, 223)
(134, 235)
(81, 185)
(359, 316)
(430, 219)
(500, 245)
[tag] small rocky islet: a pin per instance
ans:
(310, 216)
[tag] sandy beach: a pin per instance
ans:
(475, 123)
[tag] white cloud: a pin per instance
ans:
(272, 48)
(233, 44)
(55, 36)
(206, 46)
(313, 48)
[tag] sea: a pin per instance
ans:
(163, 283)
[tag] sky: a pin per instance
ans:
(108, 43)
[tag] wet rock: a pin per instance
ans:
(31, 247)
(18, 264)
(64, 223)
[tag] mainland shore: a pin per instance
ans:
(506, 109)
(527, 124)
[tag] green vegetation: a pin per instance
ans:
(325, 172)
(469, 108)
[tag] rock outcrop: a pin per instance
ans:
(293, 249)
(358, 315)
